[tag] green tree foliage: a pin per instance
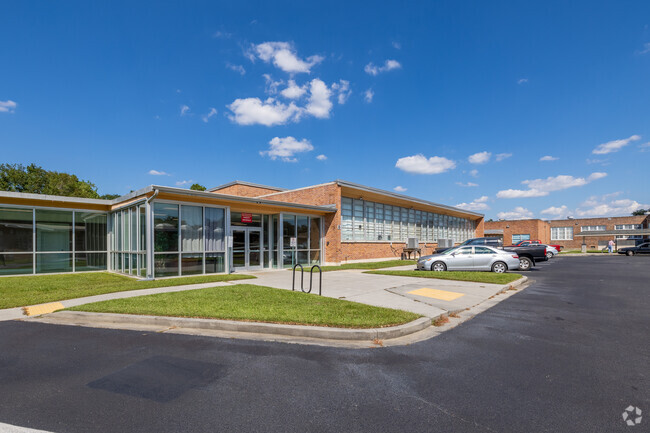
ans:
(640, 212)
(197, 187)
(36, 180)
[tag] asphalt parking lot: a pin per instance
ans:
(569, 353)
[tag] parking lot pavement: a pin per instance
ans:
(569, 353)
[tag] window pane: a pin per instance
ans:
(191, 228)
(236, 220)
(314, 257)
(16, 230)
(126, 246)
(288, 230)
(47, 263)
(214, 229)
(165, 222)
(90, 231)
(303, 232)
(192, 264)
(134, 230)
(358, 220)
(143, 228)
(53, 230)
(214, 263)
(90, 262)
(314, 233)
(15, 264)
(346, 219)
(165, 265)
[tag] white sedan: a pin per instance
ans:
(470, 258)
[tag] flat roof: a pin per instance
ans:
(634, 232)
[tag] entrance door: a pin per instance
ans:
(247, 248)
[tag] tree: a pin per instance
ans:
(36, 180)
(197, 187)
(640, 212)
(109, 196)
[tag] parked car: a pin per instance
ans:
(639, 249)
(490, 242)
(470, 258)
(528, 255)
(535, 242)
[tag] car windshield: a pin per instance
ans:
(451, 250)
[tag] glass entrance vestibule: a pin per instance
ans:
(166, 239)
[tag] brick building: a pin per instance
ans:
(571, 233)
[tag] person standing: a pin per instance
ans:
(610, 246)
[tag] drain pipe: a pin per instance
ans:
(149, 236)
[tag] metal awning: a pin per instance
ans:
(636, 232)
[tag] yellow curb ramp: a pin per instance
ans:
(37, 310)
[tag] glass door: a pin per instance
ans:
(247, 248)
(239, 248)
(254, 248)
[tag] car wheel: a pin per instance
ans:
(525, 264)
(630, 253)
(549, 256)
(438, 267)
(499, 267)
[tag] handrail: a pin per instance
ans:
(293, 283)
(320, 280)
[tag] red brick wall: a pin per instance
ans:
(244, 190)
(592, 241)
(537, 229)
(378, 250)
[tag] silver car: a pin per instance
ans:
(471, 258)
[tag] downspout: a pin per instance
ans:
(149, 235)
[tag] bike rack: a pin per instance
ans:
(302, 279)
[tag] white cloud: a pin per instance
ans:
(518, 213)
(466, 185)
(158, 173)
(645, 147)
(479, 158)
(237, 68)
(420, 164)
(251, 111)
(473, 173)
(646, 48)
(522, 81)
(206, 117)
(399, 188)
(271, 86)
(608, 205)
(284, 56)
(319, 99)
(614, 145)
(549, 158)
(184, 182)
(397, 45)
(556, 212)
(542, 187)
(389, 65)
(321, 157)
(285, 148)
(7, 106)
(501, 156)
(293, 91)
(597, 161)
(478, 204)
(184, 110)
(368, 95)
(343, 90)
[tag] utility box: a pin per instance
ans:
(412, 243)
(445, 243)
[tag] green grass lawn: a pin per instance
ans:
(369, 265)
(479, 277)
(38, 289)
(258, 304)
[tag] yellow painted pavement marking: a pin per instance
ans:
(36, 310)
(436, 294)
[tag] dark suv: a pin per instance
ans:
(490, 242)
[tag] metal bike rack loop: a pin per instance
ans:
(302, 279)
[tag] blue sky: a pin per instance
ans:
(455, 102)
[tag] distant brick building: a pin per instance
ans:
(571, 233)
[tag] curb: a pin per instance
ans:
(82, 318)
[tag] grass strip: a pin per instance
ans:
(368, 265)
(478, 277)
(258, 304)
(38, 289)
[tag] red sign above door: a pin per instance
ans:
(246, 217)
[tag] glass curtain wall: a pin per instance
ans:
(129, 240)
(300, 240)
(368, 221)
(188, 240)
(51, 240)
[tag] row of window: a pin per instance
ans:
(45, 241)
(616, 227)
(561, 233)
(368, 221)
